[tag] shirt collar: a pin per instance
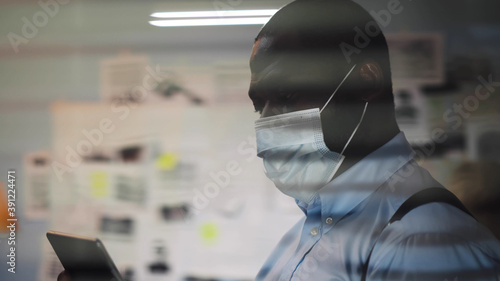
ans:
(350, 188)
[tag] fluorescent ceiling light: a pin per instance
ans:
(215, 14)
(211, 18)
(210, 22)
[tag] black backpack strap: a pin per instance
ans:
(429, 195)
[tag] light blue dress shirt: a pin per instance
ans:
(332, 241)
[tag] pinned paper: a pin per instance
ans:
(167, 161)
(37, 181)
(99, 184)
(209, 233)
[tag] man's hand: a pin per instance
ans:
(63, 276)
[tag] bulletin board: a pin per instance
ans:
(174, 192)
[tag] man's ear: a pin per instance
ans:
(372, 79)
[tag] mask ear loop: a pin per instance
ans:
(338, 87)
(356, 129)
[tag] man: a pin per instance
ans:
(328, 138)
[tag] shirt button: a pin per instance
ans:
(314, 231)
(329, 220)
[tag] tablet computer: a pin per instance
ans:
(84, 258)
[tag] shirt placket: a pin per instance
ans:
(311, 234)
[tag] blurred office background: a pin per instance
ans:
(143, 135)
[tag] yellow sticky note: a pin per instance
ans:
(167, 161)
(99, 184)
(209, 233)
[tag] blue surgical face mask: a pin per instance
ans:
(295, 155)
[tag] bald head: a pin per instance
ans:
(322, 36)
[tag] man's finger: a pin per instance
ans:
(63, 276)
